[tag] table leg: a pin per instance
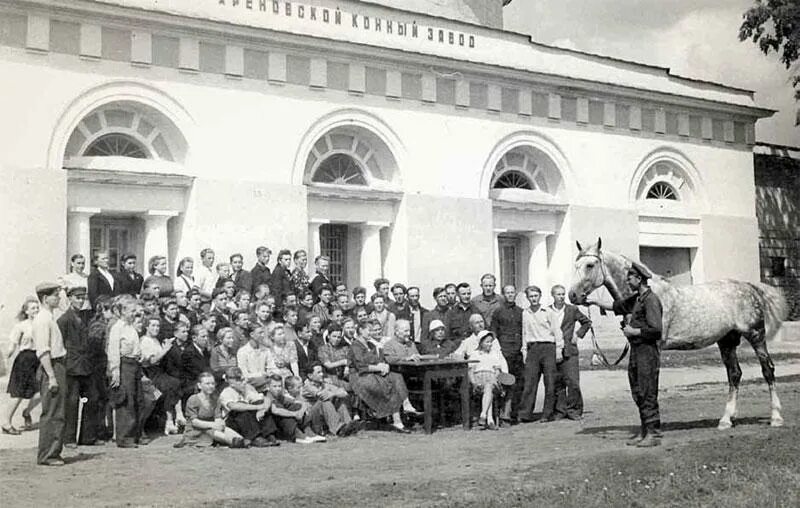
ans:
(428, 403)
(466, 411)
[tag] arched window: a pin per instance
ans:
(666, 183)
(513, 180)
(118, 145)
(662, 190)
(347, 156)
(339, 169)
(521, 169)
(126, 130)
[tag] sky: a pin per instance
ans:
(694, 38)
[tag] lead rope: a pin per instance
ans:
(600, 357)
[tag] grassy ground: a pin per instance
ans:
(558, 464)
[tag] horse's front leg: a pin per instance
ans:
(727, 348)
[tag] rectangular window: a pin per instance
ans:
(112, 235)
(778, 266)
(509, 247)
(333, 243)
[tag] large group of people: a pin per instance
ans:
(241, 358)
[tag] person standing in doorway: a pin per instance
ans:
(128, 280)
(100, 281)
(321, 278)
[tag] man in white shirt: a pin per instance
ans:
(52, 376)
(205, 277)
(542, 343)
(254, 359)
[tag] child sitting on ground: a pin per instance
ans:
(328, 409)
(289, 414)
(204, 423)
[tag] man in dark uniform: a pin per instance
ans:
(79, 363)
(507, 327)
(643, 327)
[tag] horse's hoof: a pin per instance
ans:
(776, 422)
(724, 425)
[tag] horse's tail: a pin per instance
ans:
(775, 308)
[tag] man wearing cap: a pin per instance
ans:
(507, 327)
(52, 376)
(643, 327)
(80, 357)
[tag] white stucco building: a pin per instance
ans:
(426, 144)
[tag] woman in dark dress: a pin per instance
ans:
(384, 392)
(22, 381)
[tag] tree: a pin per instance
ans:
(775, 26)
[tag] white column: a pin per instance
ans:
(156, 238)
(538, 273)
(496, 235)
(314, 246)
(79, 232)
(371, 262)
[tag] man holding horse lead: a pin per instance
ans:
(643, 330)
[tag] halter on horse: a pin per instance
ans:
(698, 316)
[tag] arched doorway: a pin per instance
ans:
(126, 181)
(353, 187)
(529, 197)
(667, 193)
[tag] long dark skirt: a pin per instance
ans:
(128, 401)
(22, 382)
(384, 395)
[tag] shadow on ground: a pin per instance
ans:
(706, 423)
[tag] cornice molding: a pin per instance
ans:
(389, 58)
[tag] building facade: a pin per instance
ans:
(777, 175)
(426, 146)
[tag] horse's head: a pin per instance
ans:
(589, 273)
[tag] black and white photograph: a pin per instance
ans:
(400, 253)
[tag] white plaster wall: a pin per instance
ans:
(246, 134)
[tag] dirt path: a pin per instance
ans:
(399, 469)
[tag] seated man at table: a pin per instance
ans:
(436, 341)
(470, 344)
(401, 347)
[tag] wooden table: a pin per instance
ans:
(430, 370)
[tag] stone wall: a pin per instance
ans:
(778, 211)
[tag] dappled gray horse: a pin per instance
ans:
(697, 316)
